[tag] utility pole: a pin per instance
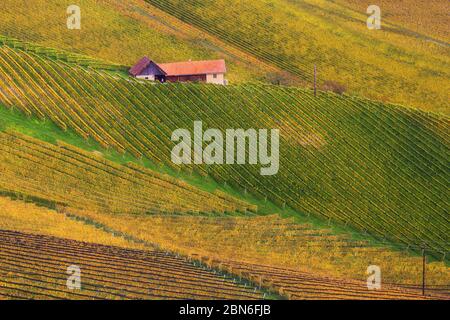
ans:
(424, 263)
(315, 80)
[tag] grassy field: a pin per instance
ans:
(401, 63)
(428, 18)
(123, 32)
(29, 218)
(354, 162)
(34, 267)
(70, 177)
(274, 242)
(390, 64)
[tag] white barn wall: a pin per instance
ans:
(219, 80)
(146, 77)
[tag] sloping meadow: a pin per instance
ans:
(381, 169)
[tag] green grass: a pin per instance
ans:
(121, 32)
(375, 168)
(388, 64)
(13, 119)
(267, 40)
(65, 56)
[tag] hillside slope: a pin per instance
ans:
(110, 272)
(50, 173)
(280, 41)
(299, 243)
(391, 64)
(123, 32)
(33, 267)
(275, 242)
(26, 217)
(429, 18)
(379, 168)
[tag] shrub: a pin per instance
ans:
(334, 86)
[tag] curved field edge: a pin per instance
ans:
(124, 32)
(30, 218)
(22, 123)
(385, 64)
(107, 272)
(14, 120)
(47, 131)
(288, 282)
(361, 156)
(138, 233)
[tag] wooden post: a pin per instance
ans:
(315, 80)
(424, 263)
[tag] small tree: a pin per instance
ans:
(277, 79)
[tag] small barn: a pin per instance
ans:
(207, 71)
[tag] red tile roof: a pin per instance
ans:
(182, 68)
(193, 67)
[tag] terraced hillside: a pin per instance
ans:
(423, 18)
(379, 168)
(113, 272)
(319, 253)
(300, 286)
(69, 177)
(34, 267)
(274, 243)
(61, 55)
(27, 217)
(123, 32)
(392, 64)
(271, 41)
(156, 270)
